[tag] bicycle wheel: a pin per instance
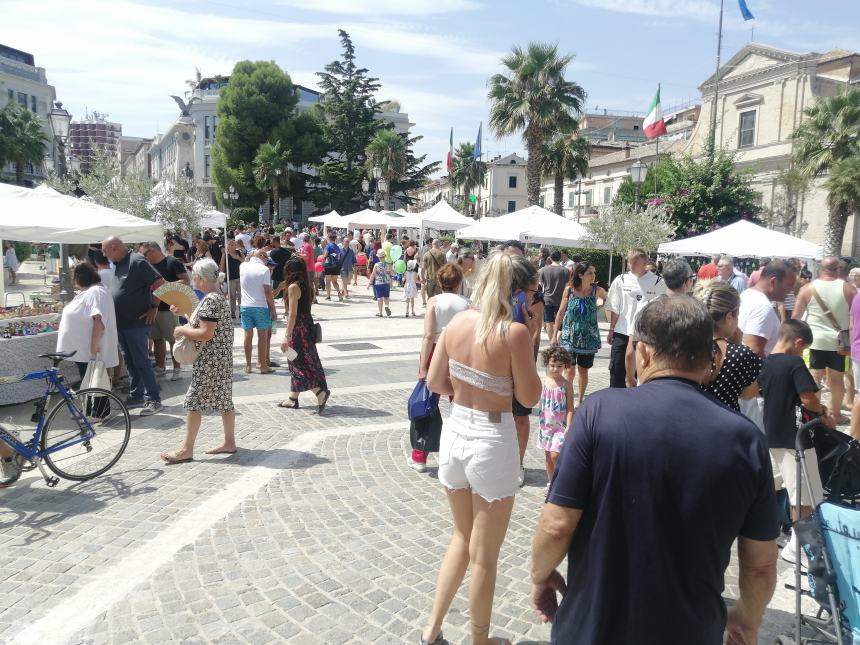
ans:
(111, 428)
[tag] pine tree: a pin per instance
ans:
(349, 125)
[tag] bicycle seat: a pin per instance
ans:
(58, 356)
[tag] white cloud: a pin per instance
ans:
(665, 8)
(383, 7)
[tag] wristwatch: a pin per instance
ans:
(153, 306)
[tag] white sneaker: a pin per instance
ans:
(417, 466)
(521, 479)
(151, 407)
(789, 553)
(176, 374)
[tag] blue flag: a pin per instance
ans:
(476, 155)
(745, 10)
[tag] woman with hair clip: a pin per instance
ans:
(483, 358)
(306, 372)
(735, 367)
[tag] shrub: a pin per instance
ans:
(245, 214)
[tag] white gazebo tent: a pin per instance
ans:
(534, 225)
(44, 215)
(744, 239)
(329, 220)
(443, 217)
(213, 219)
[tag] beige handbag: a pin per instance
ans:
(185, 350)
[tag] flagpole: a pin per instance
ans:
(713, 137)
(657, 150)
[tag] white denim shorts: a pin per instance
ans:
(785, 467)
(476, 451)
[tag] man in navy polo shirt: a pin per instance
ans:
(654, 485)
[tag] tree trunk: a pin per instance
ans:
(558, 194)
(276, 206)
(466, 200)
(19, 172)
(834, 231)
(533, 166)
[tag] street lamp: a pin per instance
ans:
(377, 172)
(231, 195)
(60, 120)
(637, 175)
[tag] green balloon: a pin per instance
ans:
(400, 266)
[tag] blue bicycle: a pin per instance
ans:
(83, 435)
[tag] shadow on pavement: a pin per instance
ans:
(275, 458)
(349, 412)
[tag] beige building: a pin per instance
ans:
(505, 187)
(430, 193)
(763, 92)
(608, 168)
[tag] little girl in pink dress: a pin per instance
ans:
(556, 406)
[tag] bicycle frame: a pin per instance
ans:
(30, 450)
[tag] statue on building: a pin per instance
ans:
(185, 108)
(187, 171)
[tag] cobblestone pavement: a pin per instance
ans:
(316, 531)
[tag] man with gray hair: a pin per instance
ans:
(161, 332)
(678, 276)
(636, 492)
(727, 273)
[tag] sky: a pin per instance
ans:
(124, 58)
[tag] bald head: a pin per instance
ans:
(830, 266)
(114, 249)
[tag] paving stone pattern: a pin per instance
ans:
(337, 542)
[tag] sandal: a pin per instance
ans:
(379, 315)
(171, 458)
(439, 640)
(324, 401)
(290, 403)
(268, 370)
(247, 369)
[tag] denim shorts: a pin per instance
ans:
(477, 452)
(382, 290)
(255, 318)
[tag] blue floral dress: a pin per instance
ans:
(579, 331)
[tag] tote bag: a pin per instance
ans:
(96, 375)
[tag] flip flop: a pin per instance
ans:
(172, 460)
(268, 370)
(220, 452)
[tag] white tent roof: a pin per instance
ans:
(44, 215)
(744, 239)
(368, 219)
(443, 217)
(213, 219)
(533, 224)
(329, 219)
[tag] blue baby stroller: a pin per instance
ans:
(830, 538)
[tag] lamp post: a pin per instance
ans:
(231, 195)
(637, 175)
(381, 186)
(60, 120)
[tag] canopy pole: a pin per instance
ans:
(609, 281)
(3, 279)
(66, 293)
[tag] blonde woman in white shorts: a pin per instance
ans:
(482, 358)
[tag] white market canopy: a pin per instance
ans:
(381, 219)
(213, 219)
(443, 217)
(533, 224)
(744, 239)
(44, 215)
(332, 219)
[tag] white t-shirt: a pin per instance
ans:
(107, 276)
(758, 317)
(628, 294)
(245, 239)
(253, 275)
(76, 326)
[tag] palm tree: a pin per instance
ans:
(565, 156)
(389, 152)
(828, 136)
(22, 139)
(534, 98)
(466, 172)
(271, 166)
(843, 192)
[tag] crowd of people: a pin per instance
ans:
(649, 482)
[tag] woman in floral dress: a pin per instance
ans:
(211, 327)
(576, 321)
(306, 370)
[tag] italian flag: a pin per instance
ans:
(451, 151)
(654, 124)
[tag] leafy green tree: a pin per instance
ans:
(22, 139)
(349, 125)
(534, 98)
(258, 106)
(700, 194)
(388, 152)
(565, 156)
(830, 135)
(467, 173)
(244, 214)
(621, 228)
(271, 166)
(843, 190)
